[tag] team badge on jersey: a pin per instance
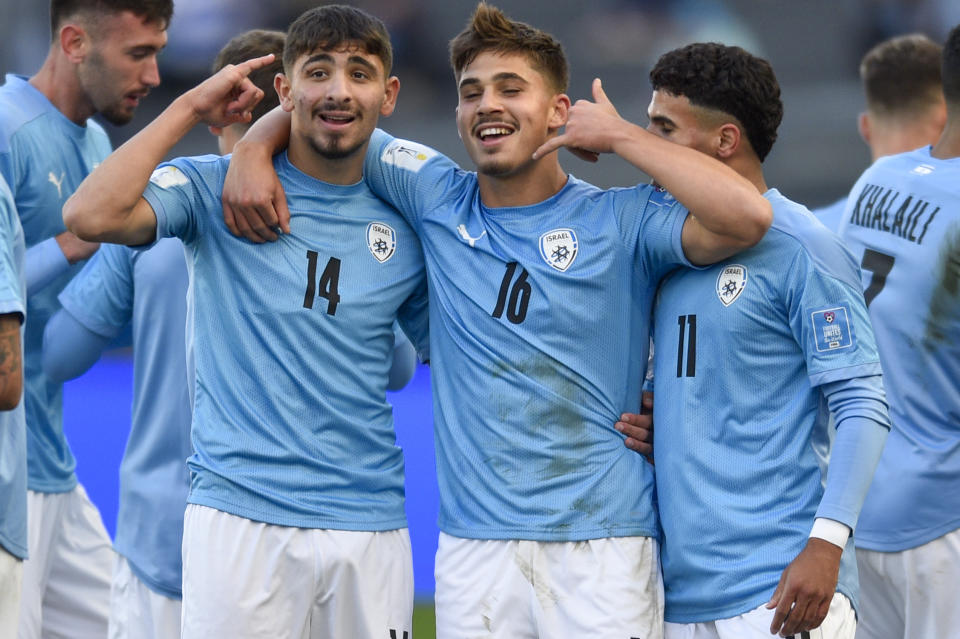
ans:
(831, 329)
(381, 240)
(558, 248)
(731, 282)
(167, 176)
(407, 155)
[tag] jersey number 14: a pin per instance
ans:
(327, 287)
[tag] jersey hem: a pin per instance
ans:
(15, 549)
(149, 582)
(735, 610)
(42, 486)
(527, 534)
(877, 545)
(295, 521)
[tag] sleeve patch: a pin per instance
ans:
(407, 155)
(168, 176)
(831, 329)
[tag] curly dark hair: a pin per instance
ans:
(727, 79)
(950, 71)
(902, 75)
(490, 30)
(159, 11)
(332, 26)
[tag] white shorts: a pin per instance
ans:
(840, 623)
(510, 589)
(244, 579)
(136, 611)
(11, 576)
(911, 594)
(66, 580)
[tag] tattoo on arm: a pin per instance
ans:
(11, 359)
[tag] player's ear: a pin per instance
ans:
(559, 111)
(863, 125)
(74, 42)
(728, 140)
(282, 85)
(392, 90)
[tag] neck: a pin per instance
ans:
(750, 168)
(900, 139)
(535, 183)
(57, 80)
(343, 171)
(948, 146)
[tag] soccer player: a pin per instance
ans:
(295, 524)
(13, 446)
(102, 59)
(540, 294)
(905, 107)
(117, 286)
(751, 354)
(903, 221)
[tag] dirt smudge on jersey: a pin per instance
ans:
(946, 293)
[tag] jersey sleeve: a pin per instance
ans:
(413, 318)
(828, 315)
(11, 298)
(183, 192)
(100, 297)
(409, 176)
(652, 219)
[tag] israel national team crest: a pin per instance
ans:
(731, 282)
(559, 248)
(381, 240)
(831, 329)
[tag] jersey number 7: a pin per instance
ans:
(880, 264)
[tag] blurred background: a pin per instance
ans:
(814, 46)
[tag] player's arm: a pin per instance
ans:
(109, 205)
(404, 361)
(69, 347)
(254, 204)
(11, 361)
(802, 598)
(728, 214)
(45, 261)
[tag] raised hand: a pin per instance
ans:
(228, 97)
(591, 127)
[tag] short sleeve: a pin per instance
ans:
(11, 297)
(100, 297)
(182, 191)
(653, 219)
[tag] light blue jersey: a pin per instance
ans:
(44, 157)
(831, 214)
(741, 437)
(902, 223)
(539, 320)
(149, 288)
(13, 445)
(292, 343)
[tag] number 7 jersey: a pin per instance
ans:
(902, 223)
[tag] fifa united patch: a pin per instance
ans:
(407, 155)
(558, 248)
(731, 282)
(381, 240)
(167, 176)
(831, 329)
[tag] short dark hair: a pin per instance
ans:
(159, 11)
(950, 70)
(336, 25)
(490, 30)
(253, 44)
(902, 75)
(727, 79)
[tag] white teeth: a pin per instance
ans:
(493, 131)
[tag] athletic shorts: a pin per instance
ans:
(136, 611)
(250, 580)
(510, 589)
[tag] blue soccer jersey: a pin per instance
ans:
(120, 285)
(44, 157)
(292, 344)
(539, 319)
(831, 214)
(741, 428)
(13, 446)
(902, 223)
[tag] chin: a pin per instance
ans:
(117, 117)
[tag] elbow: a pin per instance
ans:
(756, 222)
(78, 221)
(12, 391)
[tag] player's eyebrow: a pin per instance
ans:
(499, 77)
(354, 59)
(662, 120)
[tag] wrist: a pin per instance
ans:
(830, 530)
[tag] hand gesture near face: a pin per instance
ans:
(591, 127)
(228, 97)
